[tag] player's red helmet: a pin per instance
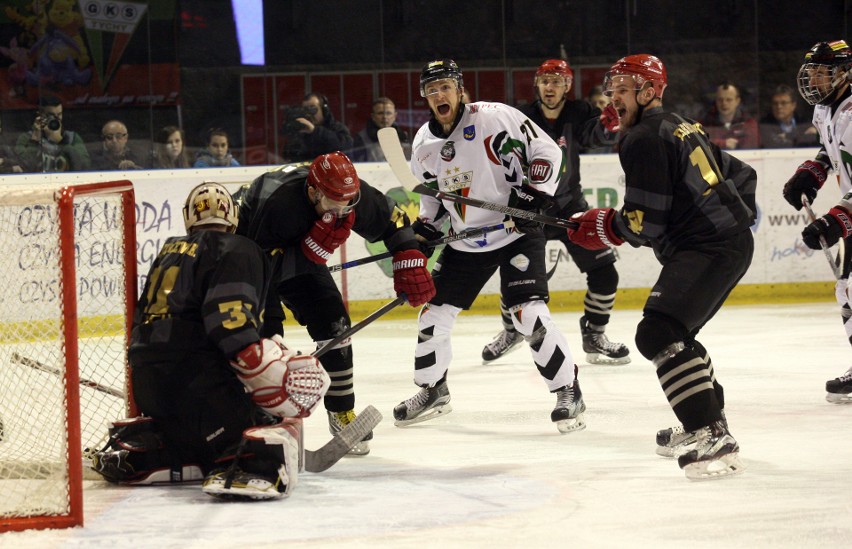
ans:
(826, 68)
(334, 175)
(210, 204)
(643, 68)
(558, 67)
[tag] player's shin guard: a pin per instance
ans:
(265, 465)
(338, 364)
(548, 346)
(434, 351)
(686, 381)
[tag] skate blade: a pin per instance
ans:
(603, 360)
(566, 426)
(726, 466)
(433, 413)
(360, 449)
(674, 451)
(838, 398)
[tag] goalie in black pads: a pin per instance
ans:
(220, 403)
(693, 205)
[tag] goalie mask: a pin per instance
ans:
(643, 68)
(210, 204)
(824, 72)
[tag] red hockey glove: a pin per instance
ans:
(807, 180)
(596, 230)
(326, 235)
(834, 225)
(411, 278)
(609, 118)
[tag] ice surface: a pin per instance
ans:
(495, 472)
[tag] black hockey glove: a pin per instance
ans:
(425, 233)
(834, 225)
(531, 200)
(807, 180)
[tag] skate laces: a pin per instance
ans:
(502, 341)
(344, 418)
(565, 397)
(418, 400)
(602, 342)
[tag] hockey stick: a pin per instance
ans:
(35, 364)
(431, 243)
(389, 142)
(331, 452)
(822, 243)
(357, 328)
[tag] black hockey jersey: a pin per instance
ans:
(677, 195)
(205, 288)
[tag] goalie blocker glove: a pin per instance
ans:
(326, 235)
(834, 225)
(596, 229)
(411, 278)
(808, 179)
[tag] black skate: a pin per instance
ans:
(428, 403)
(338, 420)
(716, 454)
(568, 413)
(503, 343)
(598, 348)
(675, 441)
(839, 390)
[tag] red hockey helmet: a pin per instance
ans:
(643, 68)
(334, 175)
(824, 71)
(557, 67)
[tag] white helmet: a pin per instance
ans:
(210, 204)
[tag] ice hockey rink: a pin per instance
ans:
(496, 473)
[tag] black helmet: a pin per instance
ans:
(825, 69)
(439, 70)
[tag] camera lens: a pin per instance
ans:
(53, 124)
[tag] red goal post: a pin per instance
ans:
(69, 271)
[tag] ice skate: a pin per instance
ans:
(839, 390)
(598, 348)
(503, 343)
(428, 403)
(716, 454)
(238, 484)
(568, 413)
(338, 420)
(675, 441)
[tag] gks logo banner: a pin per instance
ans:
(107, 16)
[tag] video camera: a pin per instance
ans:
(292, 113)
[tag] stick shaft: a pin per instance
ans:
(835, 268)
(358, 327)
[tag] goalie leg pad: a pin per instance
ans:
(434, 352)
(266, 464)
(547, 344)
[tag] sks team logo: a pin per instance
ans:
(448, 151)
(540, 171)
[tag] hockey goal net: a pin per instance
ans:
(68, 266)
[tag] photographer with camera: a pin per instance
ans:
(50, 148)
(311, 130)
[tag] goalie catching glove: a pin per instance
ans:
(596, 229)
(411, 278)
(326, 235)
(834, 225)
(280, 381)
(807, 180)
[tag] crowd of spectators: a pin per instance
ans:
(50, 146)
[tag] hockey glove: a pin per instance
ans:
(808, 179)
(596, 230)
(425, 233)
(279, 381)
(531, 200)
(834, 225)
(326, 235)
(411, 278)
(609, 119)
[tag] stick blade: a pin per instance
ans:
(321, 459)
(392, 148)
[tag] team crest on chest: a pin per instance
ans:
(470, 133)
(448, 151)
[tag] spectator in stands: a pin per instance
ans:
(314, 131)
(728, 124)
(782, 127)
(597, 99)
(366, 148)
(170, 150)
(217, 153)
(115, 154)
(9, 161)
(49, 147)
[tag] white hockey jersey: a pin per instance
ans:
(486, 155)
(835, 134)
